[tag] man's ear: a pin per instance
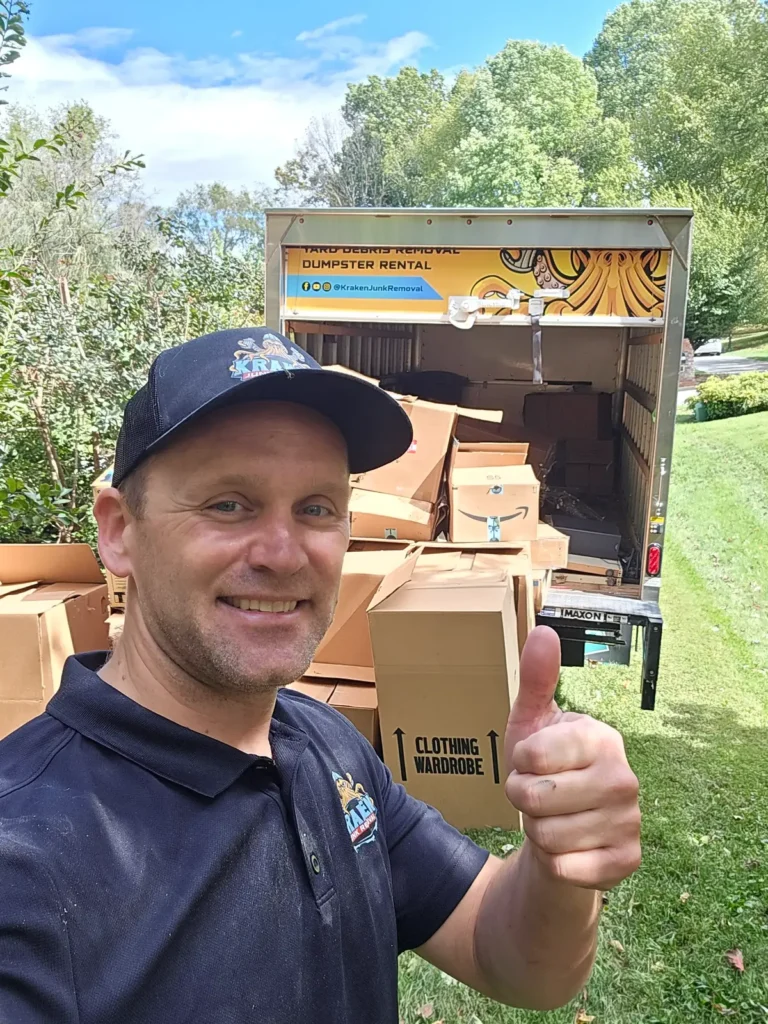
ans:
(115, 524)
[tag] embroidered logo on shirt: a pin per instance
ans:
(270, 355)
(359, 810)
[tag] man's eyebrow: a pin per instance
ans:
(242, 480)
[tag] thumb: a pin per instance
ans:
(534, 707)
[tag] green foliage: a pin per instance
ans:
(93, 284)
(723, 397)
(729, 266)
(689, 78)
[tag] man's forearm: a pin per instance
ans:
(535, 938)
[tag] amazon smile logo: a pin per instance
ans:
(522, 512)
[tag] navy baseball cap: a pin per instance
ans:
(256, 364)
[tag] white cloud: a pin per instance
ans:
(227, 119)
(95, 38)
(237, 33)
(331, 27)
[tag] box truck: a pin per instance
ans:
(569, 321)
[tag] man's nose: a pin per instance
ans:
(276, 545)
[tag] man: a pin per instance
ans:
(172, 842)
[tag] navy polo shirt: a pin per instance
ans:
(149, 873)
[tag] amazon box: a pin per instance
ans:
(446, 653)
(493, 504)
(44, 621)
(345, 652)
(390, 517)
(471, 455)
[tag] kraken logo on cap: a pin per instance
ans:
(269, 355)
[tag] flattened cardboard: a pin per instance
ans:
(495, 504)
(446, 660)
(550, 548)
(378, 544)
(345, 651)
(595, 566)
(359, 704)
(390, 517)
(48, 563)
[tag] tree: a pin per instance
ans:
(219, 220)
(525, 128)
(729, 265)
(689, 78)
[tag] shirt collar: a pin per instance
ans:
(90, 706)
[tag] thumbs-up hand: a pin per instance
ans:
(570, 778)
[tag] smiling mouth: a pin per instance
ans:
(251, 605)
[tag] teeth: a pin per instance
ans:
(261, 606)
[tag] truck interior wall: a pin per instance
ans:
(638, 427)
(489, 356)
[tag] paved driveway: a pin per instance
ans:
(729, 362)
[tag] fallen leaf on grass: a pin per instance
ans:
(684, 897)
(724, 1011)
(616, 945)
(582, 1017)
(427, 1011)
(736, 959)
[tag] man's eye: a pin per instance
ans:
(227, 506)
(316, 511)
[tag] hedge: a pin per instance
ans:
(733, 396)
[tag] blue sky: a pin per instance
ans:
(225, 94)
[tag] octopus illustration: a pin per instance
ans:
(604, 282)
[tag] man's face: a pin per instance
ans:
(237, 557)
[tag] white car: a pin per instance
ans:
(713, 347)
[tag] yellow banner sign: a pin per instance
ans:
(392, 281)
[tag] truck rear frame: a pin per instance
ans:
(382, 338)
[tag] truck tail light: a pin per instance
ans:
(653, 563)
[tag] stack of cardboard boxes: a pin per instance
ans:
(53, 603)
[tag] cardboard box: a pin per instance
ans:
(498, 503)
(446, 657)
(319, 689)
(43, 622)
(577, 415)
(418, 473)
(467, 455)
(345, 651)
(589, 537)
(358, 704)
(550, 548)
(390, 517)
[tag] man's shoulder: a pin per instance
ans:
(27, 755)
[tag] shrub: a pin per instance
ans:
(733, 396)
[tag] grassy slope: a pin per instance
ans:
(752, 341)
(702, 759)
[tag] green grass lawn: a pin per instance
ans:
(752, 341)
(702, 760)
